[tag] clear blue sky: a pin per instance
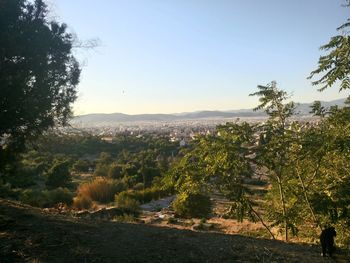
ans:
(166, 56)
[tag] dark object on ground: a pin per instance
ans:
(327, 241)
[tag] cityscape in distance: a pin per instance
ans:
(116, 119)
(181, 127)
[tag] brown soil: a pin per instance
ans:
(30, 234)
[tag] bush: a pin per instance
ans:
(59, 195)
(153, 193)
(138, 187)
(192, 205)
(101, 170)
(103, 164)
(24, 178)
(101, 189)
(6, 191)
(203, 220)
(81, 166)
(124, 201)
(46, 198)
(116, 171)
(172, 220)
(33, 198)
(58, 175)
(147, 195)
(82, 202)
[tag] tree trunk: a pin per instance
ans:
(262, 221)
(307, 199)
(283, 207)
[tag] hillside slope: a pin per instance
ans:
(33, 235)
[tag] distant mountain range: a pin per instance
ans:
(303, 109)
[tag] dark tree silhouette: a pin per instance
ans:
(38, 73)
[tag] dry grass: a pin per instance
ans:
(101, 189)
(82, 202)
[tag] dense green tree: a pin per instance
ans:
(103, 164)
(38, 73)
(324, 167)
(148, 167)
(58, 175)
(329, 184)
(116, 171)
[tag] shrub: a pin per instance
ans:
(130, 181)
(147, 195)
(33, 198)
(58, 175)
(192, 205)
(6, 191)
(47, 198)
(101, 170)
(116, 171)
(124, 201)
(101, 189)
(59, 195)
(81, 166)
(172, 220)
(103, 164)
(82, 202)
(139, 186)
(26, 177)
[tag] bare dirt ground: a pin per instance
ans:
(30, 234)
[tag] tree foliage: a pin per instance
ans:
(192, 205)
(335, 64)
(58, 175)
(275, 150)
(38, 72)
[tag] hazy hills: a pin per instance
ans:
(303, 109)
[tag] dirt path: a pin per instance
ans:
(31, 235)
